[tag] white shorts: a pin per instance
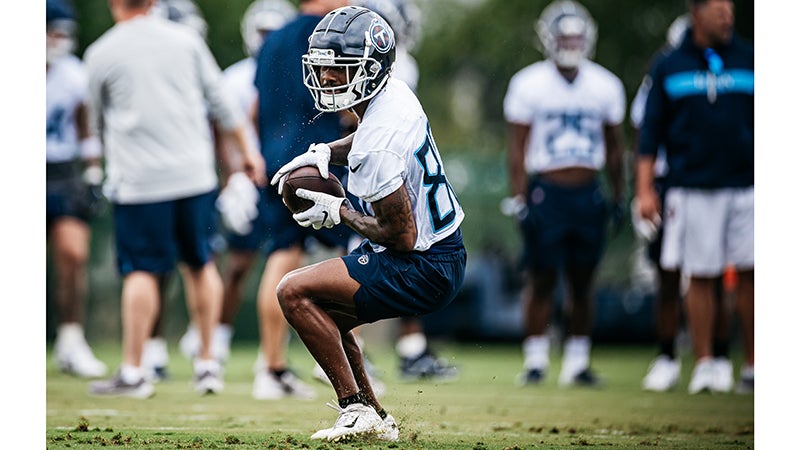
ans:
(707, 230)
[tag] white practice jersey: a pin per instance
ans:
(238, 80)
(567, 119)
(66, 89)
(153, 84)
(393, 146)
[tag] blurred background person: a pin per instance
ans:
(152, 85)
(155, 357)
(246, 233)
(564, 119)
(664, 371)
(700, 108)
(74, 176)
(288, 124)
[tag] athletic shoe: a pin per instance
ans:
(155, 359)
(746, 384)
(208, 377)
(73, 355)
(378, 387)
(572, 376)
(268, 386)
(116, 386)
(427, 367)
(662, 375)
(189, 344)
(392, 433)
(531, 377)
(723, 375)
(702, 377)
(354, 422)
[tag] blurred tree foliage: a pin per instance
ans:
(469, 51)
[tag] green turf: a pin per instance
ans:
(481, 410)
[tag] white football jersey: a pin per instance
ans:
(393, 146)
(238, 81)
(567, 119)
(67, 87)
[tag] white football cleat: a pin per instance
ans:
(208, 376)
(73, 355)
(702, 376)
(357, 421)
(663, 374)
(268, 386)
(723, 375)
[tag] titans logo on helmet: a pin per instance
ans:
(382, 36)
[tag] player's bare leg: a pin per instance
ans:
(700, 310)
(576, 364)
(272, 324)
(70, 243)
(317, 301)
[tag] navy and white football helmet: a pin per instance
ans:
(402, 16)
(262, 17)
(184, 12)
(62, 27)
(357, 40)
(567, 33)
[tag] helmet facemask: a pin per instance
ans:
(567, 34)
(60, 39)
(361, 75)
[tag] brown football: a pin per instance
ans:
(308, 177)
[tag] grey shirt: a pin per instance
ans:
(153, 85)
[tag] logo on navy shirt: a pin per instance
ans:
(381, 36)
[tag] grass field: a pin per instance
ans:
(483, 409)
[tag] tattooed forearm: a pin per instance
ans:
(393, 225)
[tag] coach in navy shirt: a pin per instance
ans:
(701, 109)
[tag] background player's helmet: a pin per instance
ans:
(262, 17)
(677, 30)
(352, 38)
(402, 16)
(567, 33)
(184, 12)
(61, 29)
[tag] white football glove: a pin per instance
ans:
(514, 207)
(644, 229)
(238, 203)
(317, 155)
(324, 213)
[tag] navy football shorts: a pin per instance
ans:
(151, 237)
(399, 284)
(565, 225)
(66, 193)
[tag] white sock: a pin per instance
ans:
(155, 352)
(224, 333)
(411, 345)
(130, 374)
(203, 365)
(70, 333)
(576, 352)
(536, 352)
